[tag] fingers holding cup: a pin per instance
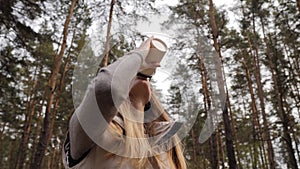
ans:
(158, 48)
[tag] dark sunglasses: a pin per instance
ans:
(143, 76)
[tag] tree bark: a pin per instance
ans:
(298, 5)
(194, 146)
(227, 125)
(60, 87)
(28, 122)
(234, 131)
(254, 111)
(11, 157)
(107, 43)
(207, 104)
(283, 117)
(221, 156)
(45, 133)
(293, 133)
(271, 155)
(37, 129)
(207, 107)
(257, 74)
(213, 151)
(3, 126)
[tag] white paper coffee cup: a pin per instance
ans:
(158, 49)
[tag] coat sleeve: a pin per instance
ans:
(99, 106)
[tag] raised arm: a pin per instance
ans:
(107, 91)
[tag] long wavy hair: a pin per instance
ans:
(137, 146)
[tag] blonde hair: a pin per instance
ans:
(135, 132)
(176, 153)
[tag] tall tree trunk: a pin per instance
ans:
(213, 151)
(221, 156)
(257, 74)
(25, 138)
(298, 5)
(292, 163)
(37, 129)
(257, 135)
(254, 111)
(248, 160)
(194, 146)
(207, 107)
(60, 87)
(227, 125)
(252, 157)
(28, 122)
(294, 84)
(288, 109)
(234, 131)
(229, 140)
(270, 151)
(107, 43)
(207, 104)
(3, 126)
(296, 140)
(53, 157)
(11, 156)
(283, 117)
(45, 133)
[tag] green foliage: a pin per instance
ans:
(267, 34)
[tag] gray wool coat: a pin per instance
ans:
(89, 140)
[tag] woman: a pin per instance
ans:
(134, 131)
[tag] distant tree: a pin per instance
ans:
(50, 93)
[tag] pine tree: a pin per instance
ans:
(50, 91)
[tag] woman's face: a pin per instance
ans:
(140, 90)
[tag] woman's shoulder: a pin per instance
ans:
(68, 161)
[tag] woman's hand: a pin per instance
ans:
(143, 50)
